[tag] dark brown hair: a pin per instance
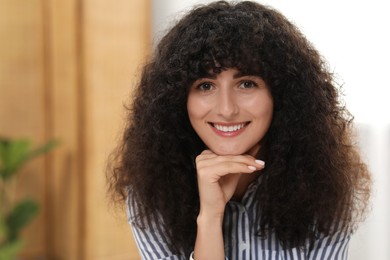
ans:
(314, 178)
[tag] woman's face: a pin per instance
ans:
(231, 113)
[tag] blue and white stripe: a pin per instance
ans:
(241, 241)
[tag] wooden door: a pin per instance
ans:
(66, 70)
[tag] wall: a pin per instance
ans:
(66, 70)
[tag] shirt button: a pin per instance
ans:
(243, 246)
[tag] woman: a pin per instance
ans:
(237, 145)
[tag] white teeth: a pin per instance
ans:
(229, 128)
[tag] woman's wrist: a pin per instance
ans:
(209, 239)
(206, 219)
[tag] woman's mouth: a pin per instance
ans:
(229, 130)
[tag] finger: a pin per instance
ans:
(206, 154)
(215, 172)
(208, 160)
(226, 168)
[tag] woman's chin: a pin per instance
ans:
(235, 150)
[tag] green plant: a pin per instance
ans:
(14, 215)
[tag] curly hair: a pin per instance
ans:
(314, 179)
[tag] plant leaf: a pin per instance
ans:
(3, 230)
(20, 216)
(43, 149)
(13, 155)
(4, 144)
(10, 250)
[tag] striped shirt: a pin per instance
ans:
(241, 241)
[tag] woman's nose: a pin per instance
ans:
(227, 104)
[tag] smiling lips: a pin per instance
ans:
(228, 130)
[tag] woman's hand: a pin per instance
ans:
(218, 176)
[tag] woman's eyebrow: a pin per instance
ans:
(240, 74)
(205, 77)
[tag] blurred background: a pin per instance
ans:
(67, 69)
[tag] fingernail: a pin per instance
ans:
(262, 163)
(253, 168)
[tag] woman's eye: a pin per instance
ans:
(205, 86)
(248, 84)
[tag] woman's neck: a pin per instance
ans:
(243, 184)
(246, 179)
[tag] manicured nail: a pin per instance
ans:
(262, 163)
(253, 168)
